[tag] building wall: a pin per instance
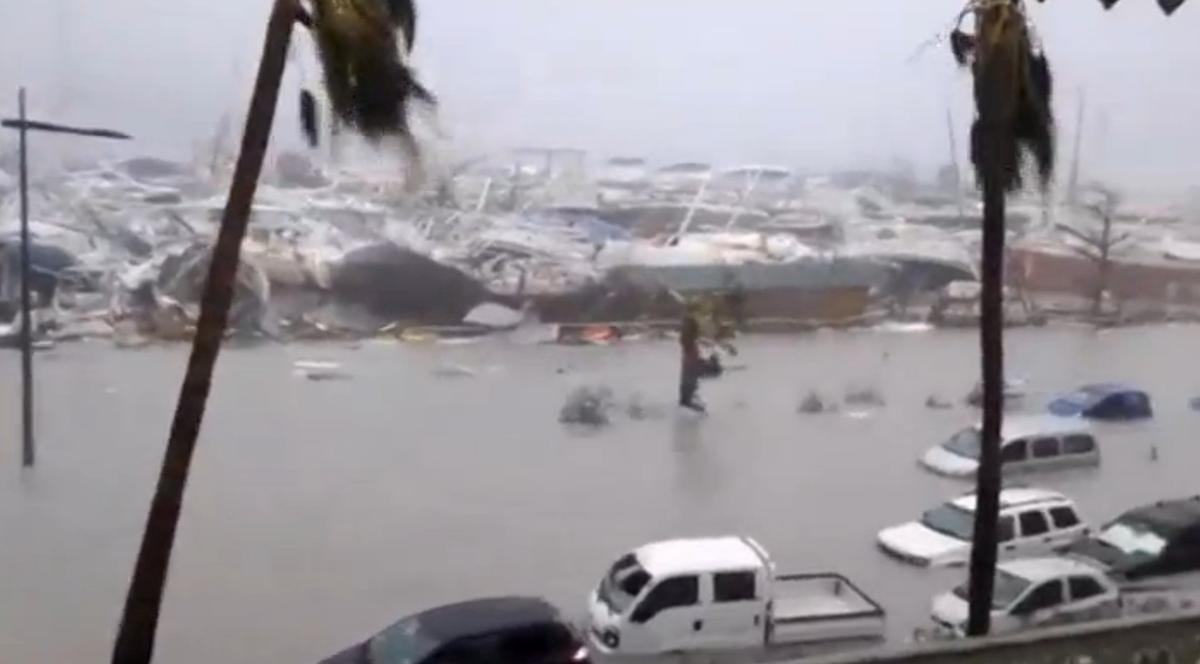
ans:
(1035, 270)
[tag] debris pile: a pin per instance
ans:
(121, 248)
(588, 405)
(814, 404)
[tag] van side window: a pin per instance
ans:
(1044, 448)
(1079, 444)
(733, 587)
(1064, 517)
(1033, 523)
(1004, 529)
(1014, 451)
(668, 594)
(1083, 587)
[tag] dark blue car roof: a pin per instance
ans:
(1088, 396)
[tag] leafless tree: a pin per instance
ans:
(1098, 241)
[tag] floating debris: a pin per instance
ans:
(450, 370)
(864, 397)
(319, 370)
(814, 404)
(1014, 394)
(935, 402)
(589, 405)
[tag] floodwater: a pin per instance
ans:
(321, 511)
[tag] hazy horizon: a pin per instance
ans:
(800, 83)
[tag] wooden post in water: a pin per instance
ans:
(139, 620)
(23, 125)
(27, 449)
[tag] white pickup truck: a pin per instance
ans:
(722, 594)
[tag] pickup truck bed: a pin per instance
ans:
(822, 607)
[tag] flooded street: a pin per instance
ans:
(320, 511)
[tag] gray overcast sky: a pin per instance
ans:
(806, 83)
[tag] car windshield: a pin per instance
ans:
(951, 521)
(1076, 402)
(1134, 538)
(623, 583)
(402, 643)
(965, 443)
(1007, 590)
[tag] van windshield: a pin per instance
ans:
(965, 443)
(950, 520)
(622, 584)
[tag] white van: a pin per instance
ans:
(1027, 443)
(1032, 522)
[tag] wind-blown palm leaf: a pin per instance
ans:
(1013, 91)
(370, 88)
(404, 17)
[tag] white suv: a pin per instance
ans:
(1032, 522)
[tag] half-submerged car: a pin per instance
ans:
(1028, 443)
(1034, 592)
(1147, 543)
(1104, 402)
(1032, 522)
(502, 630)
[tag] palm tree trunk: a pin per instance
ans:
(991, 342)
(139, 622)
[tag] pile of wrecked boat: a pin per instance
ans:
(120, 249)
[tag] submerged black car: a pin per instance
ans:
(502, 630)
(1149, 541)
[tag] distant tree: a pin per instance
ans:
(1098, 241)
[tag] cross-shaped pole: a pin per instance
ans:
(23, 126)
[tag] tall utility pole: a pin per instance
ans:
(958, 188)
(143, 603)
(23, 125)
(27, 452)
(1073, 181)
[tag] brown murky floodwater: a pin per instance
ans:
(321, 511)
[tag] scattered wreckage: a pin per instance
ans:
(121, 248)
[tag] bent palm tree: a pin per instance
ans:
(376, 101)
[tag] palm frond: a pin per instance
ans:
(404, 17)
(369, 85)
(1013, 91)
(963, 47)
